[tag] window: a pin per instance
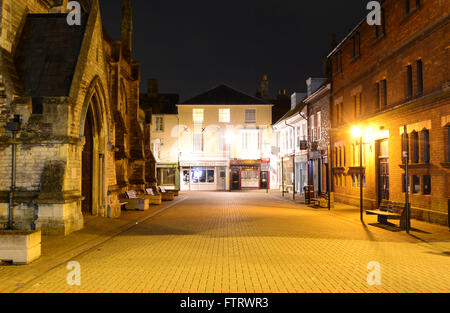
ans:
(405, 148)
(224, 115)
(426, 185)
(448, 144)
(338, 67)
(339, 113)
(203, 175)
(383, 93)
(380, 30)
(414, 147)
(419, 77)
(426, 146)
(409, 81)
(166, 176)
(159, 123)
(415, 184)
(378, 96)
(319, 125)
(407, 6)
(250, 141)
(197, 116)
(356, 45)
(313, 135)
(198, 141)
(357, 105)
(250, 116)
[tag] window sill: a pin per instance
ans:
(416, 165)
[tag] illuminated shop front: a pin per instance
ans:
(249, 174)
(203, 176)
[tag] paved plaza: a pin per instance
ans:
(239, 242)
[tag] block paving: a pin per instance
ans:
(251, 242)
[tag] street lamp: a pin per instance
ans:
(12, 126)
(358, 133)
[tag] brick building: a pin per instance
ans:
(384, 77)
(81, 144)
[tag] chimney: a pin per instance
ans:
(152, 88)
(265, 88)
(313, 83)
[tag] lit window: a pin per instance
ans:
(250, 116)
(198, 115)
(224, 115)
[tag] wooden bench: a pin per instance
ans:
(136, 203)
(321, 201)
(152, 197)
(390, 211)
(166, 196)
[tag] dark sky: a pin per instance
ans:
(192, 46)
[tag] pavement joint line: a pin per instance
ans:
(121, 230)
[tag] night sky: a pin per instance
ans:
(192, 46)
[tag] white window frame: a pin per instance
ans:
(198, 115)
(248, 113)
(159, 123)
(224, 115)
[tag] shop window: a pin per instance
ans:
(415, 184)
(426, 185)
(202, 176)
(166, 176)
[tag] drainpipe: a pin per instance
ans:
(12, 126)
(293, 162)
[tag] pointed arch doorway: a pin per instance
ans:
(94, 129)
(87, 164)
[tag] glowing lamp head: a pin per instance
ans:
(356, 132)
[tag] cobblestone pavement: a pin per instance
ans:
(253, 242)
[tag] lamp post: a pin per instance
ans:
(357, 134)
(12, 126)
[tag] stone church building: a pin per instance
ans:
(81, 144)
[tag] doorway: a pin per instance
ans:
(235, 180)
(87, 165)
(264, 183)
(383, 170)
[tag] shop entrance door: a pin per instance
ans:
(235, 180)
(383, 170)
(264, 184)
